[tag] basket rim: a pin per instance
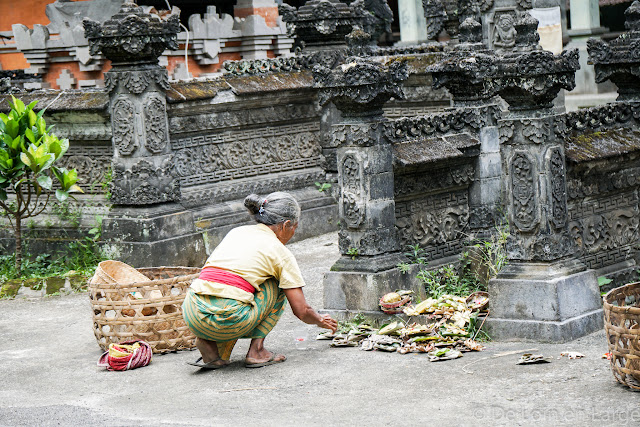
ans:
(150, 282)
(625, 309)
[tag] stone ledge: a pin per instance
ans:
(543, 331)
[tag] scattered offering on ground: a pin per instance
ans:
(450, 329)
(394, 302)
(529, 359)
(572, 355)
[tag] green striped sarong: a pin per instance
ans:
(225, 320)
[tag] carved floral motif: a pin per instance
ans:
(123, 125)
(155, 125)
(351, 195)
(144, 184)
(558, 188)
(523, 192)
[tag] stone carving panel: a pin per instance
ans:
(155, 125)
(437, 222)
(234, 155)
(352, 203)
(558, 195)
(605, 229)
(219, 192)
(411, 185)
(123, 126)
(224, 119)
(457, 121)
(523, 192)
(147, 182)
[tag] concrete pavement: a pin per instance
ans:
(48, 377)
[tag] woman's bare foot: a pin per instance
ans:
(258, 355)
(209, 351)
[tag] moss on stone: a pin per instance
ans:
(10, 288)
(602, 144)
(54, 284)
(78, 283)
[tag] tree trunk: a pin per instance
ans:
(18, 235)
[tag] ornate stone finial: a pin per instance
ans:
(527, 36)
(360, 86)
(435, 14)
(632, 22)
(376, 16)
(132, 36)
(470, 32)
(360, 43)
(520, 72)
(322, 22)
(618, 60)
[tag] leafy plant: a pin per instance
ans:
(323, 186)
(353, 252)
(106, 184)
(448, 280)
(28, 152)
(66, 211)
(416, 255)
(602, 282)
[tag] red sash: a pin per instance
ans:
(212, 274)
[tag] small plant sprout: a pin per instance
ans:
(353, 252)
(323, 186)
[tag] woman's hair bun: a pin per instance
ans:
(253, 202)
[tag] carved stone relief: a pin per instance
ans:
(436, 222)
(147, 182)
(351, 198)
(523, 192)
(155, 125)
(225, 156)
(123, 126)
(558, 188)
(416, 184)
(504, 32)
(136, 82)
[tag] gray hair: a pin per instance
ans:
(274, 208)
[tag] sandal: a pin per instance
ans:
(211, 365)
(271, 361)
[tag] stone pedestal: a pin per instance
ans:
(348, 291)
(553, 302)
(153, 236)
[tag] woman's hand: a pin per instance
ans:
(304, 312)
(328, 323)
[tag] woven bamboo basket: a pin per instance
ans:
(149, 309)
(622, 324)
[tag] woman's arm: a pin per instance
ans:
(303, 311)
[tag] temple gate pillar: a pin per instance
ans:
(142, 225)
(544, 293)
(367, 236)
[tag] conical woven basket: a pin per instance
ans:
(622, 324)
(141, 304)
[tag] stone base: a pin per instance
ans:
(541, 331)
(361, 292)
(538, 302)
(153, 236)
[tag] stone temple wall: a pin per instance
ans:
(602, 188)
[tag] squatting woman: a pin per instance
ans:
(243, 286)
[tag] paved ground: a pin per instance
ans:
(48, 377)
